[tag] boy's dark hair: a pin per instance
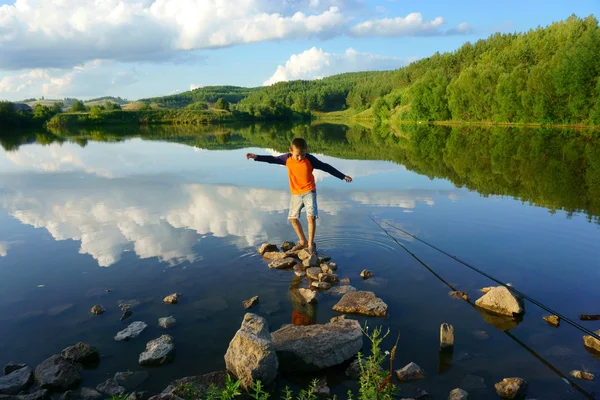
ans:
(300, 144)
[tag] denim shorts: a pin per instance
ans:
(299, 201)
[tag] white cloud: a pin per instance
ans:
(412, 25)
(315, 63)
(194, 86)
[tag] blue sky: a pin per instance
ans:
(141, 48)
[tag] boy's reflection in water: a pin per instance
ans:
(303, 313)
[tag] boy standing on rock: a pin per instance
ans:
(300, 166)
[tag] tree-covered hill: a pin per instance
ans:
(207, 94)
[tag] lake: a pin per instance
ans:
(156, 210)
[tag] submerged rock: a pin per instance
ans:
(126, 313)
(16, 381)
(110, 387)
(587, 376)
(132, 331)
(284, 263)
(286, 246)
(267, 248)
(250, 302)
(304, 296)
(410, 372)
(330, 278)
(158, 351)
(167, 322)
(97, 309)
(552, 320)
(250, 355)
(305, 348)
(366, 274)
(56, 373)
(501, 301)
(458, 394)
(345, 281)
(591, 342)
(341, 290)
(172, 298)
(81, 353)
(458, 294)
(473, 382)
(511, 388)
(130, 380)
(321, 285)
(364, 303)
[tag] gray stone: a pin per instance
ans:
(587, 376)
(511, 388)
(126, 313)
(130, 380)
(422, 394)
(110, 387)
(329, 278)
(16, 381)
(323, 257)
(158, 351)
(304, 296)
(501, 301)
(250, 302)
(127, 304)
(329, 267)
(82, 353)
(250, 355)
(97, 309)
(321, 285)
(267, 248)
(458, 394)
(591, 342)
(366, 274)
(364, 303)
(81, 394)
(138, 396)
(552, 320)
(341, 290)
(172, 298)
(472, 382)
(284, 263)
(166, 322)
(410, 372)
(286, 246)
(313, 273)
(322, 390)
(200, 383)
(312, 261)
(304, 254)
(10, 367)
(274, 255)
(133, 330)
(299, 270)
(314, 347)
(446, 336)
(56, 373)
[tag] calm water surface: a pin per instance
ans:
(167, 210)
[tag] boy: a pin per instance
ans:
(300, 167)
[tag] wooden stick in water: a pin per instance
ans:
(589, 317)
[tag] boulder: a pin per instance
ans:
(511, 388)
(110, 387)
(130, 380)
(286, 246)
(274, 255)
(446, 336)
(329, 278)
(312, 261)
(200, 383)
(323, 257)
(366, 274)
(313, 273)
(81, 394)
(267, 248)
(250, 302)
(304, 296)
(172, 298)
(341, 290)
(305, 348)
(81, 353)
(284, 263)
(304, 254)
(56, 373)
(158, 351)
(501, 301)
(166, 322)
(16, 381)
(10, 367)
(458, 394)
(364, 303)
(97, 309)
(587, 376)
(410, 372)
(250, 355)
(133, 330)
(552, 320)
(321, 285)
(591, 342)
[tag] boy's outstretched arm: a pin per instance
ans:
(269, 159)
(318, 164)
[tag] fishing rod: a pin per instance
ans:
(512, 289)
(510, 335)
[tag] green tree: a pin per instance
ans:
(221, 104)
(96, 112)
(78, 106)
(428, 98)
(42, 112)
(57, 107)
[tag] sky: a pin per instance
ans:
(142, 48)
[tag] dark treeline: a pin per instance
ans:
(207, 94)
(554, 168)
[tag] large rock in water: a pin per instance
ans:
(250, 355)
(133, 330)
(110, 387)
(56, 373)
(81, 353)
(500, 300)
(458, 394)
(364, 303)
(284, 263)
(592, 343)
(158, 351)
(274, 255)
(267, 247)
(314, 347)
(511, 388)
(16, 381)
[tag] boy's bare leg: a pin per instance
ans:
(312, 228)
(298, 228)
